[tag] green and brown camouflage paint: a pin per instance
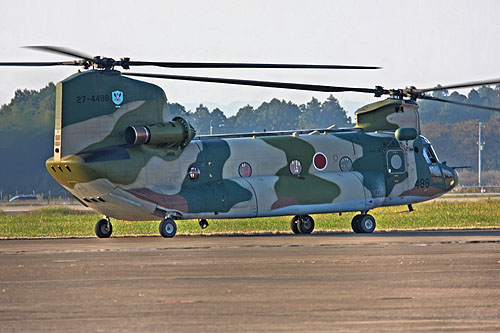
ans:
(151, 181)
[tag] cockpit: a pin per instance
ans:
(439, 171)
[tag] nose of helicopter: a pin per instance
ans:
(450, 178)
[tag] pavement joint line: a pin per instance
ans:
(215, 247)
(245, 277)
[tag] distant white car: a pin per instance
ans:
(18, 198)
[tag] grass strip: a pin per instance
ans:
(61, 222)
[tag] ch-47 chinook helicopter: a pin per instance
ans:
(118, 152)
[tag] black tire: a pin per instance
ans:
(293, 225)
(305, 224)
(367, 224)
(103, 228)
(168, 228)
(203, 223)
(355, 224)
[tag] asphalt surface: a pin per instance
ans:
(407, 281)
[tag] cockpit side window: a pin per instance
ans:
(429, 155)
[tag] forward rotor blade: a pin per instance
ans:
(462, 85)
(268, 84)
(459, 103)
(243, 65)
(37, 64)
(61, 50)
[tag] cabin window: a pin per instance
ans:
(245, 170)
(194, 173)
(295, 167)
(396, 162)
(345, 164)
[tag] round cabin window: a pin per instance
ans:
(245, 170)
(295, 167)
(194, 173)
(396, 162)
(345, 164)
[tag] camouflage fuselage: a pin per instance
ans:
(232, 176)
(144, 182)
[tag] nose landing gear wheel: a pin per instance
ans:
(168, 228)
(363, 224)
(103, 228)
(367, 224)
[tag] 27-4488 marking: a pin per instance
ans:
(92, 99)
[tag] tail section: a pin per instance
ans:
(94, 108)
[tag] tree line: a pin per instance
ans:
(27, 127)
(274, 115)
(27, 131)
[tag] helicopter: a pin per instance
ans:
(117, 151)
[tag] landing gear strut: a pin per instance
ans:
(168, 228)
(103, 228)
(203, 223)
(302, 224)
(363, 223)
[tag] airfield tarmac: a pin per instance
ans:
(387, 281)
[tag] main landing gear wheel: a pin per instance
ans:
(302, 224)
(103, 228)
(168, 228)
(293, 225)
(364, 223)
(355, 223)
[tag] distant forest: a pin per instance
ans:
(27, 125)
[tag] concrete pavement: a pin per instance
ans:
(412, 281)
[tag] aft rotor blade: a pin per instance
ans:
(462, 85)
(243, 65)
(268, 84)
(37, 64)
(459, 103)
(61, 50)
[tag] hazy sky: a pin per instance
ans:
(420, 43)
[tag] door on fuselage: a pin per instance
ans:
(396, 167)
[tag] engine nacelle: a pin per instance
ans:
(175, 133)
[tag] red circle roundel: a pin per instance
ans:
(320, 161)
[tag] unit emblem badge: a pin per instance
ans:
(117, 97)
